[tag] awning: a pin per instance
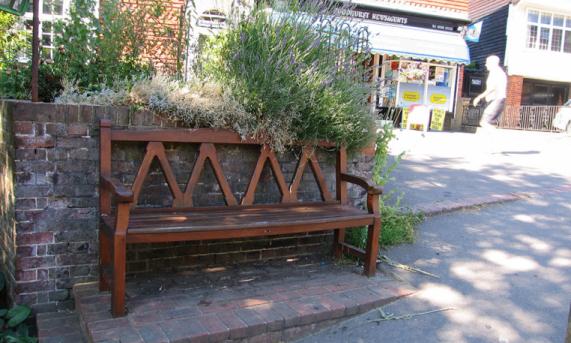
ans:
(417, 43)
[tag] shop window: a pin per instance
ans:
(405, 83)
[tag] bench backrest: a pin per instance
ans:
(208, 138)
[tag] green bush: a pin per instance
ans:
(15, 52)
(93, 52)
(398, 224)
(292, 78)
(13, 327)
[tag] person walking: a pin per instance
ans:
(495, 93)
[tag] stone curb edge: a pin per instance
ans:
(443, 207)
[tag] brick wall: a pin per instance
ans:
(56, 208)
(7, 216)
(515, 88)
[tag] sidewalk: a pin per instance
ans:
(445, 171)
(503, 271)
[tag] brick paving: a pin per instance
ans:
(258, 303)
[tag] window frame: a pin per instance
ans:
(537, 45)
(45, 18)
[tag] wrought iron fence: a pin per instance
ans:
(471, 115)
(532, 118)
(340, 34)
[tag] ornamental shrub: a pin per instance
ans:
(94, 52)
(15, 51)
(293, 77)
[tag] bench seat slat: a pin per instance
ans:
(236, 218)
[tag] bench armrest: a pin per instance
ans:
(122, 193)
(368, 185)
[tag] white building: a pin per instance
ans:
(533, 39)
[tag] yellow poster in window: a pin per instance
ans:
(438, 99)
(410, 96)
(437, 122)
(404, 118)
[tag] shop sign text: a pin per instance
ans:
(398, 18)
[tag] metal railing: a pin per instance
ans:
(471, 115)
(531, 118)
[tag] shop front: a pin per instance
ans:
(406, 82)
(418, 59)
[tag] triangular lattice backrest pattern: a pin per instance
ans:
(207, 140)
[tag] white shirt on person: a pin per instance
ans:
(498, 81)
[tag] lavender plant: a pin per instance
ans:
(299, 82)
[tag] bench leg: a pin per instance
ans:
(119, 261)
(104, 260)
(372, 248)
(338, 238)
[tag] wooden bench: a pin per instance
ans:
(122, 223)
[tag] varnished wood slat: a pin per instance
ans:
(235, 219)
(229, 225)
(157, 150)
(238, 212)
(235, 213)
(194, 177)
(178, 198)
(368, 185)
(353, 250)
(207, 151)
(278, 175)
(341, 168)
(142, 174)
(373, 233)
(241, 233)
(308, 154)
(202, 135)
(226, 190)
(119, 260)
(214, 210)
(266, 154)
(319, 178)
(341, 194)
(105, 163)
(301, 164)
(110, 184)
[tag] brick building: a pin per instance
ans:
(174, 26)
(533, 40)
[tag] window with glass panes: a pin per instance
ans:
(50, 12)
(548, 31)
